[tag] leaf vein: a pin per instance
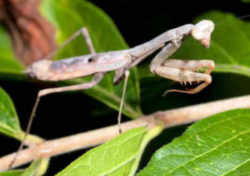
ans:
(211, 150)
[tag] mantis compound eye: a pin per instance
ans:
(91, 59)
(202, 32)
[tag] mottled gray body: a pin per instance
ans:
(79, 66)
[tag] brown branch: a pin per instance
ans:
(33, 37)
(83, 140)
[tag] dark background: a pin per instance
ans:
(68, 113)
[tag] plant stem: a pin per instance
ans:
(83, 140)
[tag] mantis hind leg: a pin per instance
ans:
(83, 31)
(96, 79)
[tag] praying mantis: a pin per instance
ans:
(97, 64)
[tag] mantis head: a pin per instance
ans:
(202, 32)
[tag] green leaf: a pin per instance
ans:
(9, 123)
(37, 168)
(245, 1)
(12, 173)
(229, 46)
(9, 64)
(105, 36)
(215, 146)
(119, 156)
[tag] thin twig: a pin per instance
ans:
(83, 140)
